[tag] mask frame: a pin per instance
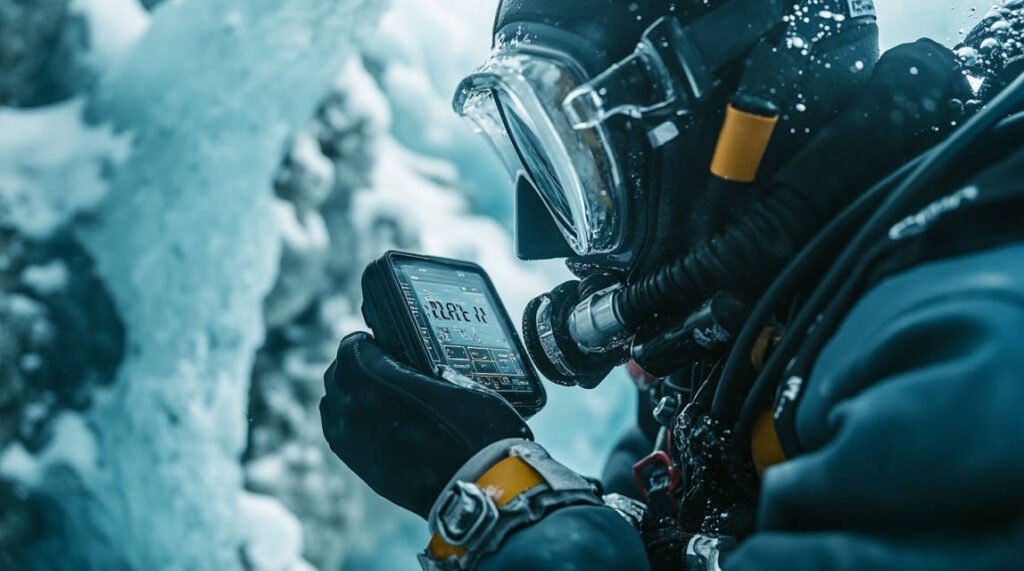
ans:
(514, 100)
(548, 119)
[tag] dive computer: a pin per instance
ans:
(434, 313)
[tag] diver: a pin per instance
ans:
(810, 255)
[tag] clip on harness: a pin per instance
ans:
(521, 486)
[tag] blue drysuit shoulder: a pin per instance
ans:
(912, 414)
(926, 317)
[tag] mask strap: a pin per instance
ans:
(673, 66)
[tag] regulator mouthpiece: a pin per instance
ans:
(595, 325)
(548, 326)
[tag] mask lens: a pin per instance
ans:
(515, 100)
(481, 110)
(538, 166)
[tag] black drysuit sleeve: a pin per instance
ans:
(913, 422)
(583, 538)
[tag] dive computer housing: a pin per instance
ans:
(440, 315)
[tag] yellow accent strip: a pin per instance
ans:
(502, 482)
(759, 352)
(507, 479)
(765, 448)
(441, 551)
(742, 144)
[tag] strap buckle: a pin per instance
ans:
(466, 515)
(471, 520)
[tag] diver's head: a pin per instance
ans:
(609, 113)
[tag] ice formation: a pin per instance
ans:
(186, 242)
(53, 166)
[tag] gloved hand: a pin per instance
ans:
(402, 432)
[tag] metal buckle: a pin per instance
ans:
(704, 552)
(631, 510)
(466, 516)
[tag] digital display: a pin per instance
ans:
(459, 325)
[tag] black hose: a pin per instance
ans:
(747, 252)
(761, 242)
(927, 172)
(797, 272)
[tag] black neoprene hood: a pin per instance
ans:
(673, 201)
(609, 29)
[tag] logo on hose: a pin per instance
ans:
(789, 395)
(918, 223)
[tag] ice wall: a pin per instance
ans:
(187, 243)
(421, 51)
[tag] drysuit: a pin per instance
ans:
(911, 421)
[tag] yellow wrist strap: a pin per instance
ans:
(502, 482)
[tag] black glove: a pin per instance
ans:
(405, 433)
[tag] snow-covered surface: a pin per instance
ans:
(72, 448)
(52, 165)
(428, 46)
(46, 278)
(271, 535)
(114, 25)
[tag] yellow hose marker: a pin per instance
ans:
(742, 144)
(765, 448)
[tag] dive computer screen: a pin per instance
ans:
(462, 325)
